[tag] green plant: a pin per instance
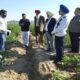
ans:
(15, 31)
(58, 75)
(71, 62)
(5, 54)
(67, 41)
(32, 29)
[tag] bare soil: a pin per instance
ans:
(27, 64)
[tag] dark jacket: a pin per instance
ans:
(51, 25)
(74, 25)
(24, 24)
(35, 19)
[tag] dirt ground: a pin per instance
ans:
(25, 63)
(28, 64)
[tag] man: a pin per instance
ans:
(3, 29)
(74, 31)
(36, 24)
(49, 26)
(59, 32)
(25, 24)
(41, 28)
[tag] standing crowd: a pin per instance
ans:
(54, 30)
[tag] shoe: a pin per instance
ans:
(55, 62)
(27, 47)
(72, 51)
(49, 50)
(52, 57)
(56, 59)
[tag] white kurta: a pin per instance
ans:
(25, 37)
(60, 27)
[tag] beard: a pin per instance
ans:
(4, 16)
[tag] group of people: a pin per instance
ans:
(53, 29)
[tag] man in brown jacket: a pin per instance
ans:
(36, 24)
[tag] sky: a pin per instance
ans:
(16, 7)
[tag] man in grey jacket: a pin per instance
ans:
(74, 31)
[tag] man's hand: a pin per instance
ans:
(2, 31)
(52, 33)
(8, 32)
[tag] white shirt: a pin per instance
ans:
(60, 27)
(3, 24)
(46, 26)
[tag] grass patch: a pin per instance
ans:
(69, 64)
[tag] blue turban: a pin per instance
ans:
(64, 9)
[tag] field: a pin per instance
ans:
(16, 31)
(68, 69)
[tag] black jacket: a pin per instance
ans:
(51, 25)
(24, 24)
